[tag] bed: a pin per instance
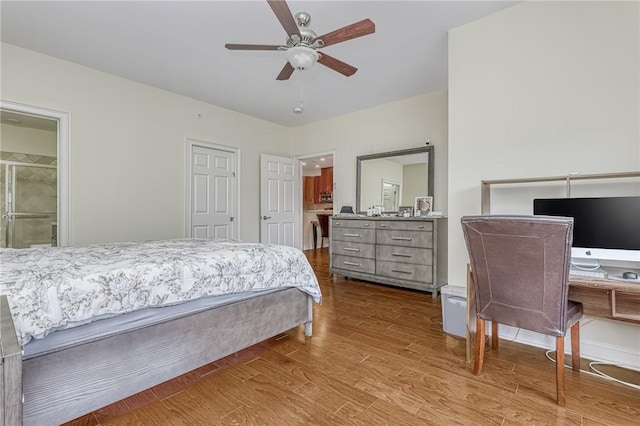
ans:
(81, 328)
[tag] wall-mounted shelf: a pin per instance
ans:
(485, 196)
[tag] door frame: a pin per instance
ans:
(189, 144)
(64, 161)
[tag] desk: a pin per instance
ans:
(600, 298)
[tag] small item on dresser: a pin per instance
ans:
(423, 205)
(405, 211)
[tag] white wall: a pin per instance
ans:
(408, 123)
(28, 141)
(544, 89)
(128, 145)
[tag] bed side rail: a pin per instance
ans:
(10, 369)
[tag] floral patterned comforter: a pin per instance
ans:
(56, 288)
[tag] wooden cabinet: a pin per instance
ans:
(309, 191)
(313, 186)
(326, 179)
(388, 250)
(316, 192)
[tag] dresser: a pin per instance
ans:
(391, 250)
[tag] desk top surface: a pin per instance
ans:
(604, 284)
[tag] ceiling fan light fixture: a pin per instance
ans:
(301, 57)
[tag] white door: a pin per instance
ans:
(280, 202)
(213, 193)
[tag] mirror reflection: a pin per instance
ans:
(394, 179)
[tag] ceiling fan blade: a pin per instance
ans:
(285, 17)
(337, 65)
(357, 29)
(286, 72)
(253, 47)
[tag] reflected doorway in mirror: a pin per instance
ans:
(423, 205)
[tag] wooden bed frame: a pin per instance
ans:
(60, 386)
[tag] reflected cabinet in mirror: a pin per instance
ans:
(394, 179)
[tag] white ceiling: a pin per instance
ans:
(28, 121)
(311, 166)
(179, 46)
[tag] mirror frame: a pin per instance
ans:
(361, 158)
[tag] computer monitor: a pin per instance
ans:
(604, 228)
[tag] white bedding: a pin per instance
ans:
(56, 288)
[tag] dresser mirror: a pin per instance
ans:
(393, 179)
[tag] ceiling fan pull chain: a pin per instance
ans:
(301, 87)
(299, 109)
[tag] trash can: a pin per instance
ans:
(454, 310)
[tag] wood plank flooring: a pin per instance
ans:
(378, 356)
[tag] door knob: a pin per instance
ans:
(266, 217)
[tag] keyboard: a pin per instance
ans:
(598, 274)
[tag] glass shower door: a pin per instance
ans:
(30, 202)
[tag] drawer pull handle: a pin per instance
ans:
(402, 272)
(352, 235)
(421, 226)
(402, 238)
(382, 225)
(351, 249)
(338, 223)
(351, 263)
(401, 255)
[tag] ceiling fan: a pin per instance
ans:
(302, 43)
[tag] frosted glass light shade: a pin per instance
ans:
(301, 57)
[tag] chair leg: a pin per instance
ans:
(560, 371)
(321, 242)
(575, 346)
(480, 337)
(494, 335)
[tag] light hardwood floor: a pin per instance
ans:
(378, 356)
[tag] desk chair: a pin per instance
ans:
(323, 219)
(520, 272)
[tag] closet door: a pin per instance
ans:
(213, 193)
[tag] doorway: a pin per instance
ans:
(29, 154)
(28, 180)
(319, 195)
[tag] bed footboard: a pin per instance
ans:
(10, 369)
(63, 385)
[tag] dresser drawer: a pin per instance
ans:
(354, 235)
(347, 248)
(341, 223)
(409, 225)
(404, 271)
(421, 256)
(405, 238)
(357, 264)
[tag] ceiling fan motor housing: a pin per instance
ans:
(308, 35)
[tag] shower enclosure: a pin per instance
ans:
(28, 201)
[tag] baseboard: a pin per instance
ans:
(589, 349)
